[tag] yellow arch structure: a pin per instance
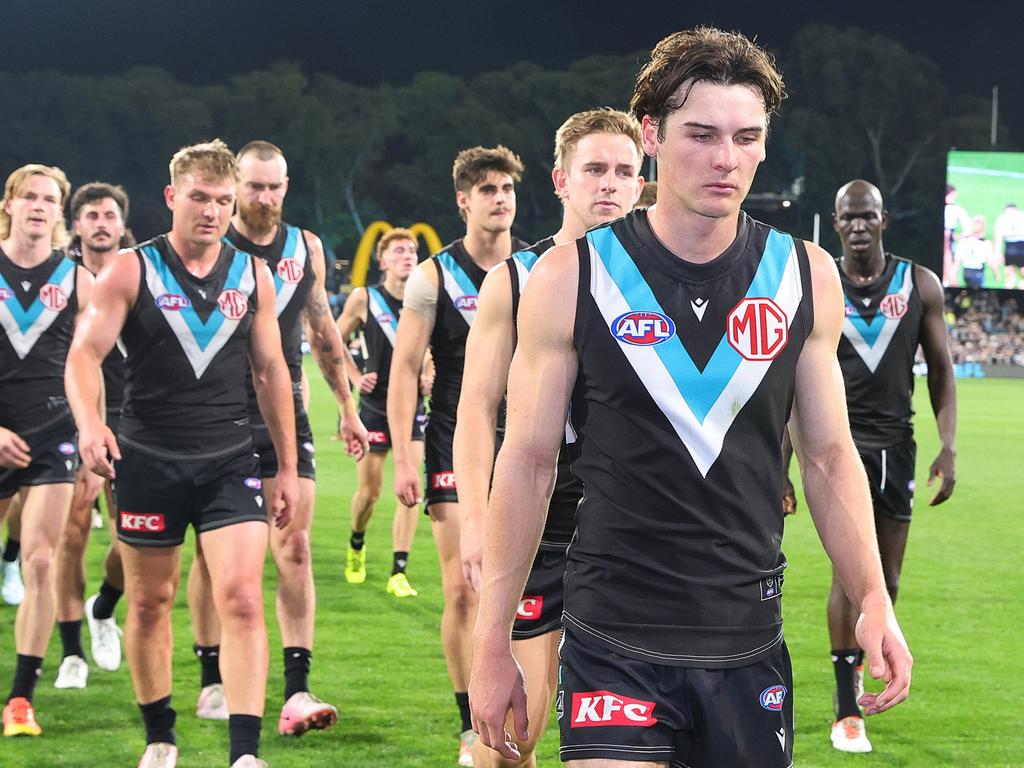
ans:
(368, 243)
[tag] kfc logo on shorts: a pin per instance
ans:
(466, 303)
(53, 297)
(757, 328)
(68, 449)
(442, 481)
(233, 304)
(771, 698)
(530, 607)
(173, 302)
(253, 482)
(144, 523)
(290, 270)
(643, 329)
(601, 708)
(376, 438)
(893, 306)
(5, 294)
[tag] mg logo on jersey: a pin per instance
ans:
(174, 302)
(893, 306)
(771, 698)
(757, 329)
(466, 302)
(530, 607)
(376, 438)
(290, 270)
(601, 708)
(5, 294)
(145, 523)
(232, 304)
(53, 297)
(643, 329)
(442, 480)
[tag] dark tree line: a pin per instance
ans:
(860, 105)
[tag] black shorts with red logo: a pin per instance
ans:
(540, 609)
(159, 495)
(613, 707)
(263, 446)
(891, 479)
(376, 423)
(54, 458)
(441, 487)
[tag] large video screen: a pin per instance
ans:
(983, 242)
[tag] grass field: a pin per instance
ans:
(380, 660)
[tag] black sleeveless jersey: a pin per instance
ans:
(288, 259)
(113, 365)
(561, 519)
(37, 316)
(876, 353)
(458, 284)
(187, 340)
(685, 382)
(382, 311)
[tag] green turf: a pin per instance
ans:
(380, 660)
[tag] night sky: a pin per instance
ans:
(371, 41)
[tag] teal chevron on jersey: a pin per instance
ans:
(871, 338)
(24, 326)
(382, 313)
(459, 286)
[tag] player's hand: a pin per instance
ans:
(407, 484)
(944, 467)
(788, 497)
(285, 501)
(367, 382)
(495, 687)
(471, 548)
(97, 448)
(354, 435)
(92, 484)
(14, 452)
(888, 656)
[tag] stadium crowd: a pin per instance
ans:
(986, 327)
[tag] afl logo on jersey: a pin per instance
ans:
(893, 306)
(643, 329)
(174, 302)
(290, 270)
(849, 310)
(467, 303)
(757, 328)
(771, 698)
(5, 294)
(386, 319)
(53, 297)
(233, 304)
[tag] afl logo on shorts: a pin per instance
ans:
(771, 698)
(893, 306)
(66, 448)
(466, 303)
(53, 297)
(757, 328)
(174, 302)
(254, 483)
(232, 304)
(290, 270)
(643, 329)
(5, 294)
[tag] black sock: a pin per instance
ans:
(297, 662)
(159, 718)
(103, 608)
(71, 638)
(11, 549)
(399, 562)
(26, 673)
(357, 540)
(244, 731)
(462, 700)
(209, 663)
(843, 662)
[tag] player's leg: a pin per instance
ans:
(403, 529)
(369, 472)
(99, 608)
(211, 704)
(13, 590)
(234, 558)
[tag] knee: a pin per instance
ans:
(149, 606)
(74, 536)
(242, 604)
(294, 551)
(368, 494)
(460, 599)
(37, 565)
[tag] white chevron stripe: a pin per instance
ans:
(454, 291)
(378, 311)
(24, 342)
(287, 290)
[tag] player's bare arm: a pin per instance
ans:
(488, 355)
(837, 491)
(330, 351)
(352, 318)
(941, 383)
(540, 382)
(98, 326)
(273, 385)
(411, 341)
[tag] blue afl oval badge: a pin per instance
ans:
(643, 328)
